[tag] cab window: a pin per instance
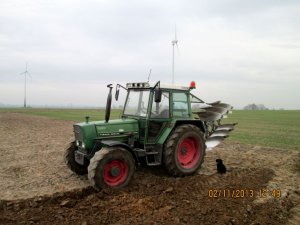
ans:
(161, 109)
(180, 105)
(137, 103)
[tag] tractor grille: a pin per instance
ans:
(78, 133)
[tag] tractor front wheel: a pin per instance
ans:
(111, 167)
(184, 150)
(70, 160)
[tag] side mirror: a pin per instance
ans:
(157, 95)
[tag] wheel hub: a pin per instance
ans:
(189, 153)
(184, 151)
(115, 171)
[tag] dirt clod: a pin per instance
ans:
(67, 203)
(169, 190)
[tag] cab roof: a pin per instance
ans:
(143, 85)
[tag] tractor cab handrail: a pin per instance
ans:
(193, 96)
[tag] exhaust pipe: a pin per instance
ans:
(108, 103)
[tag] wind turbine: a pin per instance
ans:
(174, 42)
(25, 75)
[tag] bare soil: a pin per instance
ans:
(37, 187)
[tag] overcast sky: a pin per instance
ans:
(237, 51)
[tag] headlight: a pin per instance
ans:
(77, 143)
(83, 145)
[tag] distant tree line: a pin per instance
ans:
(255, 107)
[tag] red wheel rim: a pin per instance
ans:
(115, 172)
(189, 153)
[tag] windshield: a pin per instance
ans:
(137, 103)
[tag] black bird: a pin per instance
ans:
(220, 166)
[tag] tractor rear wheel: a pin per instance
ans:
(70, 160)
(111, 167)
(184, 150)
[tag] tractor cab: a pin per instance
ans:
(155, 107)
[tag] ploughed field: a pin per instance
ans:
(262, 185)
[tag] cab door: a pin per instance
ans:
(159, 118)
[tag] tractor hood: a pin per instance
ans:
(113, 129)
(116, 127)
(110, 128)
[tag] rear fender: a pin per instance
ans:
(166, 133)
(197, 123)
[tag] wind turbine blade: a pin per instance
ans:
(175, 33)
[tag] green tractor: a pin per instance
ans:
(160, 125)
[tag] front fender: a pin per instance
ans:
(113, 143)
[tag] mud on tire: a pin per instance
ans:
(111, 167)
(69, 158)
(184, 150)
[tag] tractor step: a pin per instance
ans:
(153, 158)
(153, 164)
(153, 154)
(140, 152)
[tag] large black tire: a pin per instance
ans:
(70, 160)
(184, 150)
(111, 167)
